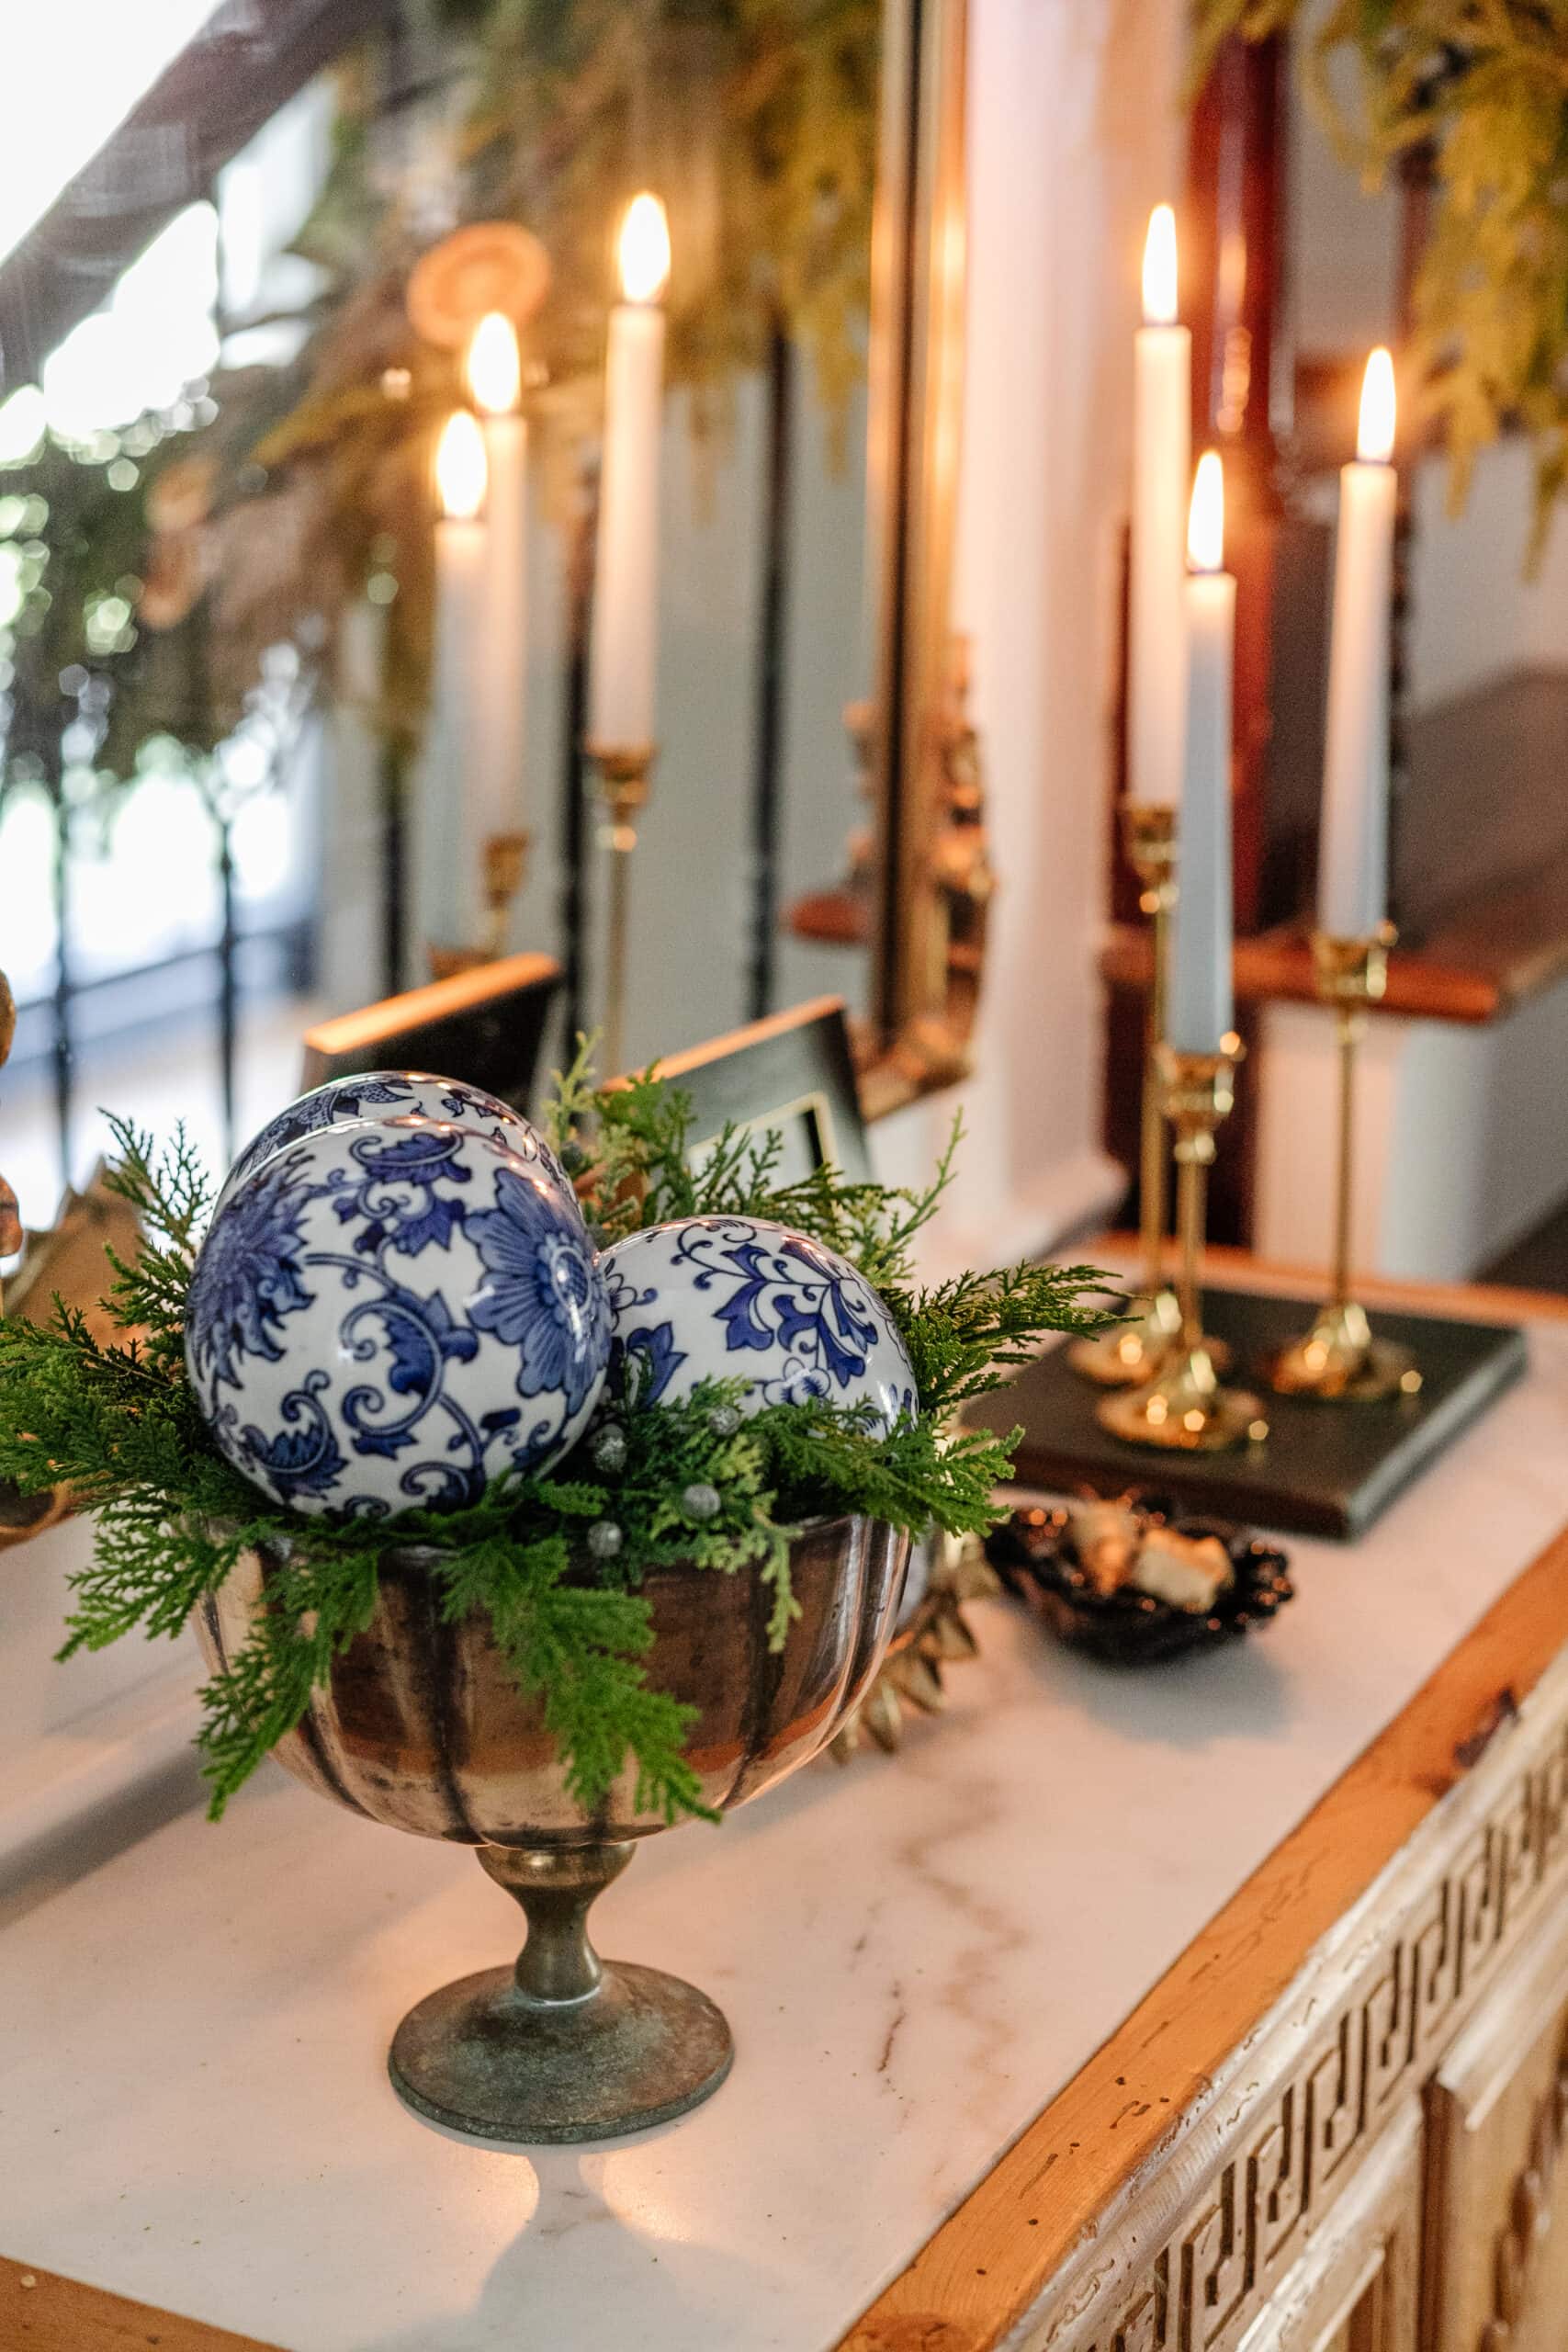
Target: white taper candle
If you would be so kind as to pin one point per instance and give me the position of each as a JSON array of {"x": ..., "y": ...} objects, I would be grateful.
[
  {"x": 493, "y": 795},
  {"x": 626, "y": 587},
  {"x": 1162, "y": 459},
  {"x": 1352, "y": 865},
  {"x": 1201, "y": 1007},
  {"x": 457, "y": 661}
]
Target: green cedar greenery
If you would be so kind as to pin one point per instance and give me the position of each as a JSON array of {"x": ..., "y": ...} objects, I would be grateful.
[
  {"x": 1480, "y": 87},
  {"x": 118, "y": 1424}
]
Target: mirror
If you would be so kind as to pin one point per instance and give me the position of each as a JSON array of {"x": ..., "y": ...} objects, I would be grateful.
[
  {"x": 1293, "y": 269},
  {"x": 275, "y": 726},
  {"x": 1299, "y": 267},
  {"x": 1482, "y": 680}
]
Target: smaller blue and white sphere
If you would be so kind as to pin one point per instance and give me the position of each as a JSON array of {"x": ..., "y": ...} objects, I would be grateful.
[
  {"x": 739, "y": 1297},
  {"x": 389, "y": 1313},
  {"x": 390, "y": 1097}
]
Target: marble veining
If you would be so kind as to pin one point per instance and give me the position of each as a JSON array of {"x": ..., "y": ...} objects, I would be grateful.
[{"x": 915, "y": 1955}]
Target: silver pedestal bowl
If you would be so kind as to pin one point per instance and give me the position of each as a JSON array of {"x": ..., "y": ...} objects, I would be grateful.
[{"x": 421, "y": 1726}]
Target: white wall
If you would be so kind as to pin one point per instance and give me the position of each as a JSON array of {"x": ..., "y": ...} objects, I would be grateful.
[
  {"x": 1345, "y": 247},
  {"x": 1475, "y": 612},
  {"x": 1074, "y": 134},
  {"x": 1461, "y": 1149}
]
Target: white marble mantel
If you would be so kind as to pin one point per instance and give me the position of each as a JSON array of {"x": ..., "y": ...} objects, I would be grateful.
[{"x": 915, "y": 1955}]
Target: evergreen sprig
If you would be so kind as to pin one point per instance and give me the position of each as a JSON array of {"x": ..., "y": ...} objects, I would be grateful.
[{"x": 118, "y": 1424}]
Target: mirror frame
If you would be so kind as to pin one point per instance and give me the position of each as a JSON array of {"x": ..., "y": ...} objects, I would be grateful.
[{"x": 916, "y": 1041}]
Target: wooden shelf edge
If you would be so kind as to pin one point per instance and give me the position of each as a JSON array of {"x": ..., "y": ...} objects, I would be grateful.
[
  {"x": 989, "y": 2264},
  {"x": 437, "y": 999},
  {"x": 1276, "y": 968},
  {"x": 1475, "y": 1302}
]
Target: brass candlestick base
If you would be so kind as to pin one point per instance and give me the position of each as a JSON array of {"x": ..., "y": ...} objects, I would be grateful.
[
  {"x": 623, "y": 773},
  {"x": 1338, "y": 1360},
  {"x": 505, "y": 864},
  {"x": 1185, "y": 1407},
  {"x": 1128, "y": 1353}
]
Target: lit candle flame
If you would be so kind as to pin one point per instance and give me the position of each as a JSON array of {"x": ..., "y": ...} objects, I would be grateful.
[
  {"x": 1160, "y": 268},
  {"x": 1374, "y": 441},
  {"x": 1206, "y": 516},
  {"x": 644, "y": 250},
  {"x": 460, "y": 470},
  {"x": 495, "y": 368}
]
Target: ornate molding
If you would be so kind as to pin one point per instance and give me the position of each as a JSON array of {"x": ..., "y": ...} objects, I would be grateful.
[{"x": 1186, "y": 2257}]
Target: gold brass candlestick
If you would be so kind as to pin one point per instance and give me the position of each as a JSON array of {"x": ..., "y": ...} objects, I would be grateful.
[
  {"x": 1338, "y": 1360},
  {"x": 505, "y": 862},
  {"x": 1184, "y": 1407},
  {"x": 623, "y": 773},
  {"x": 1130, "y": 1352}
]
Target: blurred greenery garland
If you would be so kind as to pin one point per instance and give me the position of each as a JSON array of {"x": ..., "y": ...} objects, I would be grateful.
[
  {"x": 1481, "y": 88},
  {"x": 259, "y": 517}
]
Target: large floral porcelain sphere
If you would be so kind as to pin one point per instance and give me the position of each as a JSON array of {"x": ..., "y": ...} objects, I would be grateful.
[
  {"x": 389, "y": 1098},
  {"x": 392, "y": 1312},
  {"x": 739, "y": 1297}
]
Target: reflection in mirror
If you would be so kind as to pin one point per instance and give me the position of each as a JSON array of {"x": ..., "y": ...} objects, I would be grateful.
[
  {"x": 1294, "y": 267},
  {"x": 1301, "y": 265},
  {"x": 1483, "y": 654},
  {"x": 293, "y": 717}
]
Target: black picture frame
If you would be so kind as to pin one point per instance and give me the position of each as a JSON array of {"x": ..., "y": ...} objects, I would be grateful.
[
  {"x": 485, "y": 1027},
  {"x": 795, "y": 1071}
]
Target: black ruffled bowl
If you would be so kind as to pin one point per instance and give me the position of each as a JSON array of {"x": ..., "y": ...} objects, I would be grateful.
[{"x": 1034, "y": 1553}]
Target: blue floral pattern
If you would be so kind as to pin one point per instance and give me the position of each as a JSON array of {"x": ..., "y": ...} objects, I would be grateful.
[
  {"x": 644, "y": 1358},
  {"x": 395, "y": 1201},
  {"x": 388, "y": 1096},
  {"x": 545, "y": 1296},
  {"x": 296, "y": 1460},
  {"x": 249, "y": 1274},
  {"x": 369, "y": 1305},
  {"x": 729, "y": 1297}
]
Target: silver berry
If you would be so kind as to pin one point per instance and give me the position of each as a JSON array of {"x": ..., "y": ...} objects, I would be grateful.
[
  {"x": 701, "y": 1501},
  {"x": 604, "y": 1539},
  {"x": 724, "y": 1420},
  {"x": 610, "y": 1448}
]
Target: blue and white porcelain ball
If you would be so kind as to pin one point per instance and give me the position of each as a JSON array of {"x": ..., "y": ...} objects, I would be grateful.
[
  {"x": 389, "y": 1314},
  {"x": 739, "y": 1297},
  {"x": 390, "y": 1097}
]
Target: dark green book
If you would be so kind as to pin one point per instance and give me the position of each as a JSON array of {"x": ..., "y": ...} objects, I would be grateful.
[{"x": 1324, "y": 1469}]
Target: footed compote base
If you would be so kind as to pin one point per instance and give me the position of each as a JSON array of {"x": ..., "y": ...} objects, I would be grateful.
[
  {"x": 564, "y": 2047},
  {"x": 483, "y": 2060}
]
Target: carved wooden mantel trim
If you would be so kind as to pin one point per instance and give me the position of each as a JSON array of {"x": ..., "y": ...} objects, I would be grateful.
[{"x": 1157, "y": 2202}]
